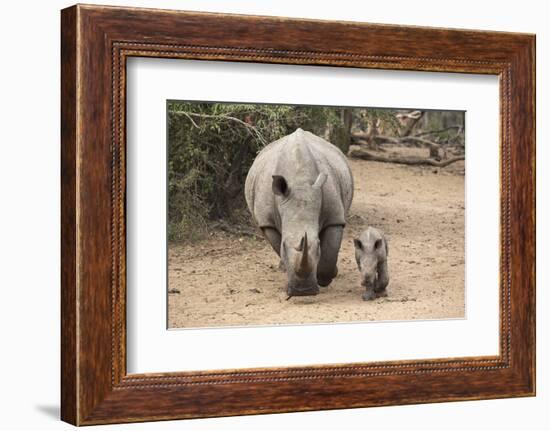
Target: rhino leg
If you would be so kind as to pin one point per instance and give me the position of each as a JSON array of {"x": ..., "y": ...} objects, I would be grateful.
[
  {"x": 274, "y": 238},
  {"x": 369, "y": 294},
  {"x": 383, "y": 279},
  {"x": 330, "y": 238}
]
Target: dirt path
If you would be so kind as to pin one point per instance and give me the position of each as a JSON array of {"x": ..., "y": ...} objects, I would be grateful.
[{"x": 225, "y": 280}]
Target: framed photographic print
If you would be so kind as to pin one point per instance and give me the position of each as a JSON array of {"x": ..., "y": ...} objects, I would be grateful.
[{"x": 265, "y": 215}]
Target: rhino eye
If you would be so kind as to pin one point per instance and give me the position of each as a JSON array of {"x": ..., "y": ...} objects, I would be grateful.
[
  {"x": 358, "y": 244},
  {"x": 377, "y": 244}
]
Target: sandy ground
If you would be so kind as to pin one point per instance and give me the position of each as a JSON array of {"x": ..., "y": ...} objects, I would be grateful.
[{"x": 225, "y": 280}]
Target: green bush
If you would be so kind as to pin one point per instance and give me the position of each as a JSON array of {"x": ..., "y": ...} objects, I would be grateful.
[{"x": 211, "y": 146}]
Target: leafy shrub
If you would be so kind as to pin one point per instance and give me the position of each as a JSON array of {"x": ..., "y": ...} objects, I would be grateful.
[{"x": 211, "y": 146}]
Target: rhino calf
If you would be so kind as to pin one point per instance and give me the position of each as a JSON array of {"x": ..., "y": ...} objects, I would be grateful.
[{"x": 371, "y": 254}]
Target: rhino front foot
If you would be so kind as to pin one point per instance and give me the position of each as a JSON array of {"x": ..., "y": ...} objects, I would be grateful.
[
  {"x": 324, "y": 282},
  {"x": 369, "y": 295},
  {"x": 302, "y": 292},
  {"x": 309, "y": 288},
  {"x": 324, "y": 279},
  {"x": 381, "y": 293}
]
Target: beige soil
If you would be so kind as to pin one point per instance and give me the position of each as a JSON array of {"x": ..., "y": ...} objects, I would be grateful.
[{"x": 227, "y": 280}]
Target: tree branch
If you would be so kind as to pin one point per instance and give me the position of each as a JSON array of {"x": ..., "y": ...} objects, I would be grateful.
[
  {"x": 221, "y": 117},
  {"x": 414, "y": 118},
  {"x": 414, "y": 161}
]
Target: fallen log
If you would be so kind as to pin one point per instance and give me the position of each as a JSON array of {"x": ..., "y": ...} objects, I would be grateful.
[
  {"x": 406, "y": 140},
  {"x": 395, "y": 140},
  {"x": 435, "y": 132},
  {"x": 413, "y": 161}
]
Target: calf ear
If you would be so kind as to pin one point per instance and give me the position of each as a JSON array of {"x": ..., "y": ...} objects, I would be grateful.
[
  {"x": 280, "y": 186},
  {"x": 358, "y": 245}
]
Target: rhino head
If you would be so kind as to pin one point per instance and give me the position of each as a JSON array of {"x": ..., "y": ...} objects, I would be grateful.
[{"x": 299, "y": 206}]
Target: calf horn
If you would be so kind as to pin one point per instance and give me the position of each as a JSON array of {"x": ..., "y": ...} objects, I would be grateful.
[{"x": 304, "y": 268}]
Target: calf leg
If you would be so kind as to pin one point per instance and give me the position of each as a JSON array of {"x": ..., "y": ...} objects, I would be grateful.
[
  {"x": 383, "y": 279},
  {"x": 330, "y": 238}
]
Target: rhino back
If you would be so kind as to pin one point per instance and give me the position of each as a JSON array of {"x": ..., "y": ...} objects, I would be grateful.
[{"x": 331, "y": 160}]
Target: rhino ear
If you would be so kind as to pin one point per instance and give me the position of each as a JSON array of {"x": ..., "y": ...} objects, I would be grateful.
[
  {"x": 280, "y": 186},
  {"x": 321, "y": 178}
]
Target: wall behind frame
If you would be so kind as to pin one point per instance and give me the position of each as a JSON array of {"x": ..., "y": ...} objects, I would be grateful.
[{"x": 29, "y": 220}]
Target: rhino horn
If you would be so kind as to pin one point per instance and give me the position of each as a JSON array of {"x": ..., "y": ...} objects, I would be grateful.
[{"x": 303, "y": 267}]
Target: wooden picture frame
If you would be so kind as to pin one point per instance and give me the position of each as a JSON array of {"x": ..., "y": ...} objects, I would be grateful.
[{"x": 95, "y": 43}]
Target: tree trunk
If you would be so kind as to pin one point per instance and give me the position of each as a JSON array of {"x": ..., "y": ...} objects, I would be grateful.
[
  {"x": 407, "y": 130},
  {"x": 340, "y": 135}
]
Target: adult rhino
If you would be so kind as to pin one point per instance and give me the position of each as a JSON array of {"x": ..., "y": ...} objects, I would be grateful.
[{"x": 299, "y": 190}]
